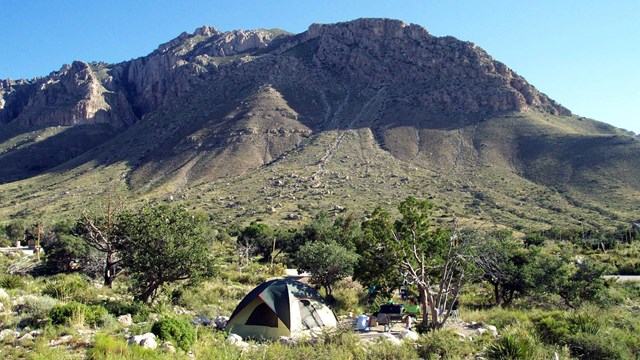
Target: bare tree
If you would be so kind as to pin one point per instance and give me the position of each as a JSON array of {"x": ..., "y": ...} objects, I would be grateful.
[
  {"x": 433, "y": 259},
  {"x": 98, "y": 232}
]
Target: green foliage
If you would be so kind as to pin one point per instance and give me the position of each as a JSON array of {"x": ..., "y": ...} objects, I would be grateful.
[
  {"x": 514, "y": 345},
  {"x": 65, "y": 253},
  {"x": 443, "y": 344},
  {"x": 139, "y": 311},
  {"x": 534, "y": 239},
  {"x": 179, "y": 331},
  {"x": 109, "y": 347},
  {"x": 8, "y": 281},
  {"x": 65, "y": 287},
  {"x": 258, "y": 239},
  {"x": 67, "y": 314},
  {"x": 377, "y": 264},
  {"x": 348, "y": 296},
  {"x": 35, "y": 310},
  {"x": 594, "y": 346},
  {"x": 326, "y": 262},
  {"x": 164, "y": 244}
]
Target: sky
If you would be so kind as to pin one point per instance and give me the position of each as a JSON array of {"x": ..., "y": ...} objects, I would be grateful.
[{"x": 585, "y": 54}]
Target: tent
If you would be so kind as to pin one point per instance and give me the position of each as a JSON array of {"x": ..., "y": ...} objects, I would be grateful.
[{"x": 281, "y": 307}]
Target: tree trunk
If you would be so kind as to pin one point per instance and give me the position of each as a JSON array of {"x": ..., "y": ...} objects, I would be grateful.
[
  {"x": 146, "y": 294},
  {"x": 109, "y": 270},
  {"x": 423, "y": 304},
  {"x": 496, "y": 294}
]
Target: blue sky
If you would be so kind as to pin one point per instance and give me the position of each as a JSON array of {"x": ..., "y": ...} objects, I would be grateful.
[{"x": 585, "y": 54}]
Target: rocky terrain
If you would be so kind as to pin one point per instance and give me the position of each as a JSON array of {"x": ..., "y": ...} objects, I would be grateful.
[{"x": 369, "y": 97}]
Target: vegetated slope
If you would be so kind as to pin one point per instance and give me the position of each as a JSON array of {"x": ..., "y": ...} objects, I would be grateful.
[{"x": 342, "y": 117}]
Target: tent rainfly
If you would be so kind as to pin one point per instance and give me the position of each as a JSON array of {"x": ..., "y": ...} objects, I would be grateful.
[{"x": 281, "y": 307}]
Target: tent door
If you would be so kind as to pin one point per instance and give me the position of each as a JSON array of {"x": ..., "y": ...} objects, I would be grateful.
[{"x": 309, "y": 315}]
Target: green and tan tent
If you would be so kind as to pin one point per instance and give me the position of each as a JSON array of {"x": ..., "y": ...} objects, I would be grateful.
[{"x": 281, "y": 307}]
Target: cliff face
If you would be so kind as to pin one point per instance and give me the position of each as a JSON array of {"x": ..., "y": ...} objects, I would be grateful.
[{"x": 439, "y": 74}]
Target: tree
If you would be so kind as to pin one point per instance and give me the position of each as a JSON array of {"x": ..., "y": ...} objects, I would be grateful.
[
  {"x": 432, "y": 258},
  {"x": 163, "y": 244},
  {"x": 97, "y": 231},
  {"x": 64, "y": 251},
  {"x": 259, "y": 239},
  {"x": 326, "y": 262},
  {"x": 377, "y": 265},
  {"x": 507, "y": 266}
]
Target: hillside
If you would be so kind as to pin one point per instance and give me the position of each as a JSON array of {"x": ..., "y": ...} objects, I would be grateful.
[{"x": 343, "y": 117}]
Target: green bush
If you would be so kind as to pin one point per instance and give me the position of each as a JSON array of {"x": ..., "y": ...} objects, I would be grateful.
[
  {"x": 348, "y": 296},
  {"x": 592, "y": 346},
  {"x": 179, "y": 331},
  {"x": 517, "y": 345},
  {"x": 557, "y": 326},
  {"x": 443, "y": 344},
  {"x": 139, "y": 311},
  {"x": 9, "y": 281},
  {"x": 66, "y": 314},
  {"x": 34, "y": 310},
  {"x": 65, "y": 287}
]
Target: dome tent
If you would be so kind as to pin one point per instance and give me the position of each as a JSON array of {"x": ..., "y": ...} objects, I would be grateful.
[{"x": 281, "y": 307}]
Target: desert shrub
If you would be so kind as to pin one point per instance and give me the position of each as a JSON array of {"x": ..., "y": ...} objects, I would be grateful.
[
  {"x": 443, "y": 344},
  {"x": 65, "y": 287},
  {"x": 557, "y": 326},
  {"x": 35, "y": 310},
  {"x": 9, "y": 281},
  {"x": 179, "y": 331},
  {"x": 108, "y": 347},
  {"x": 593, "y": 346},
  {"x": 497, "y": 316},
  {"x": 66, "y": 314},
  {"x": 139, "y": 311},
  {"x": 348, "y": 296},
  {"x": 514, "y": 345}
]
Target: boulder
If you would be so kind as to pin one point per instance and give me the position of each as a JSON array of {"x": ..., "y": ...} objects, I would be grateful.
[
  {"x": 147, "y": 341},
  {"x": 125, "y": 320},
  {"x": 3, "y": 294},
  {"x": 221, "y": 322}
]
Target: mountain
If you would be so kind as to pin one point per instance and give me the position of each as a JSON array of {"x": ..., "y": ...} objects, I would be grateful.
[{"x": 342, "y": 117}]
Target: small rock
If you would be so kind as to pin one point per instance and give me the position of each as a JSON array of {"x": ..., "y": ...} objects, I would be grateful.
[
  {"x": 492, "y": 329},
  {"x": 3, "y": 294},
  {"x": 287, "y": 340},
  {"x": 201, "y": 320},
  {"x": 221, "y": 322},
  {"x": 125, "y": 320},
  {"x": 392, "y": 339},
  {"x": 236, "y": 340},
  {"x": 25, "y": 338},
  {"x": 62, "y": 340},
  {"x": 167, "y": 346},
  {"x": 7, "y": 333},
  {"x": 407, "y": 334}
]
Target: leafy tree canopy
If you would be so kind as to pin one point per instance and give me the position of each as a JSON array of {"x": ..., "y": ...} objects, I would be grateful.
[{"x": 164, "y": 244}]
